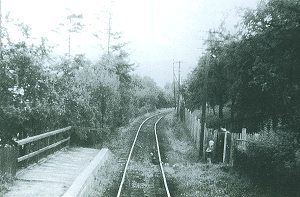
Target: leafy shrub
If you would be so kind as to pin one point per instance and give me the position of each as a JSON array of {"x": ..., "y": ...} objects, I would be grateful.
[
  {"x": 5, "y": 182},
  {"x": 145, "y": 109},
  {"x": 271, "y": 160},
  {"x": 89, "y": 137}
]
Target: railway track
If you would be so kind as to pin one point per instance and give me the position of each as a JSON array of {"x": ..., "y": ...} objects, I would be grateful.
[{"x": 143, "y": 173}]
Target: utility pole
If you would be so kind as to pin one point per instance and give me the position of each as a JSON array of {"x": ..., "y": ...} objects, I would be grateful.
[
  {"x": 178, "y": 108},
  {"x": 109, "y": 33},
  {"x": 69, "y": 50},
  {"x": 174, "y": 86},
  {"x": 177, "y": 101},
  {"x": 179, "y": 75},
  {"x": 73, "y": 28},
  {"x": 178, "y": 92},
  {"x": 1, "y": 56},
  {"x": 203, "y": 111}
]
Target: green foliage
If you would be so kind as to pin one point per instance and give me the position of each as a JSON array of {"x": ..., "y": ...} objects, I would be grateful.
[
  {"x": 196, "y": 91},
  {"x": 38, "y": 96},
  {"x": 23, "y": 88},
  {"x": 89, "y": 137},
  {"x": 5, "y": 182},
  {"x": 148, "y": 96},
  {"x": 255, "y": 72},
  {"x": 271, "y": 160}
]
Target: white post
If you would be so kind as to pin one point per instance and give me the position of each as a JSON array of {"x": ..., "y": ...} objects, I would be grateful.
[
  {"x": 225, "y": 144},
  {"x": 198, "y": 133},
  {"x": 191, "y": 120},
  {"x": 244, "y": 137},
  {"x": 195, "y": 132},
  {"x": 204, "y": 142}
]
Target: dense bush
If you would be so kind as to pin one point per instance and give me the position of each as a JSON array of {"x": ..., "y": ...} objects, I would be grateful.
[
  {"x": 256, "y": 74},
  {"x": 256, "y": 71},
  {"x": 271, "y": 160},
  {"x": 5, "y": 182},
  {"x": 40, "y": 93},
  {"x": 89, "y": 137}
]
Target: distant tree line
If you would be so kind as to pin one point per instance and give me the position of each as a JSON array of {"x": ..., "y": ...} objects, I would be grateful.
[
  {"x": 40, "y": 92},
  {"x": 256, "y": 72}
]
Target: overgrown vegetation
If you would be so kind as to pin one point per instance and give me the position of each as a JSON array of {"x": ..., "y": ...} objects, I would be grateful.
[
  {"x": 191, "y": 178},
  {"x": 41, "y": 92},
  {"x": 270, "y": 160},
  {"x": 5, "y": 181},
  {"x": 255, "y": 74}
]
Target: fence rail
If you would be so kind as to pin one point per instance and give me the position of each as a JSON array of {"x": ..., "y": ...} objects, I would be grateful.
[
  {"x": 32, "y": 149},
  {"x": 41, "y": 136},
  {"x": 36, "y": 145},
  {"x": 30, "y": 155}
]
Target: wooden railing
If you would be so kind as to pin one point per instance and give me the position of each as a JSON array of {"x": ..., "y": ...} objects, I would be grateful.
[
  {"x": 35, "y": 146},
  {"x": 32, "y": 149}
]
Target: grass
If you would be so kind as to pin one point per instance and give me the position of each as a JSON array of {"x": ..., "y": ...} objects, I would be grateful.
[
  {"x": 107, "y": 176},
  {"x": 198, "y": 179},
  {"x": 185, "y": 175},
  {"x": 5, "y": 182},
  {"x": 212, "y": 181},
  {"x": 118, "y": 143}
]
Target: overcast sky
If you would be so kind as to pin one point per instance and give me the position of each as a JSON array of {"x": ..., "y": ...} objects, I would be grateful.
[{"x": 158, "y": 31}]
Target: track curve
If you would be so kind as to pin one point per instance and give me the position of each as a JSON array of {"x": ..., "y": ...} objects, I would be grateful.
[{"x": 143, "y": 174}]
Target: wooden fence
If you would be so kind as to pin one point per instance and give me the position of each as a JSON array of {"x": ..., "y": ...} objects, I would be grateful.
[
  {"x": 8, "y": 159},
  {"x": 224, "y": 141},
  {"x": 32, "y": 149}
]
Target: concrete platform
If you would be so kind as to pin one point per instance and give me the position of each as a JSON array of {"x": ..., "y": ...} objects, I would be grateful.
[{"x": 54, "y": 175}]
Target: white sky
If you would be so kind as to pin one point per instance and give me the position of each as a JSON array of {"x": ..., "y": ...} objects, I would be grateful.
[{"x": 158, "y": 31}]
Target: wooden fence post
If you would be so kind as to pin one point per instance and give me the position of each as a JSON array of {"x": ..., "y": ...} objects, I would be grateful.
[
  {"x": 190, "y": 120},
  {"x": 232, "y": 146},
  {"x": 215, "y": 138},
  {"x": 192, "y": 125},
  {"x": 195, "y": 131},
  {"x": 198, "y": 134},
  {"x": 225, "y": 145},
  {"x": 195, "y": 128},
  {"x": 244, "y": 137},
  {"x": 204, "y": 139},
  {"x": 189, "y": 117},
  {"x": 8, "y": 160},
  {"x": 14, "y": 158}
]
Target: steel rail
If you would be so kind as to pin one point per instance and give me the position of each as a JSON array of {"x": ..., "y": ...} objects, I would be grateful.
[
  {"x": 130, "y": 153},
  {"x": 159, "y": 157}
]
